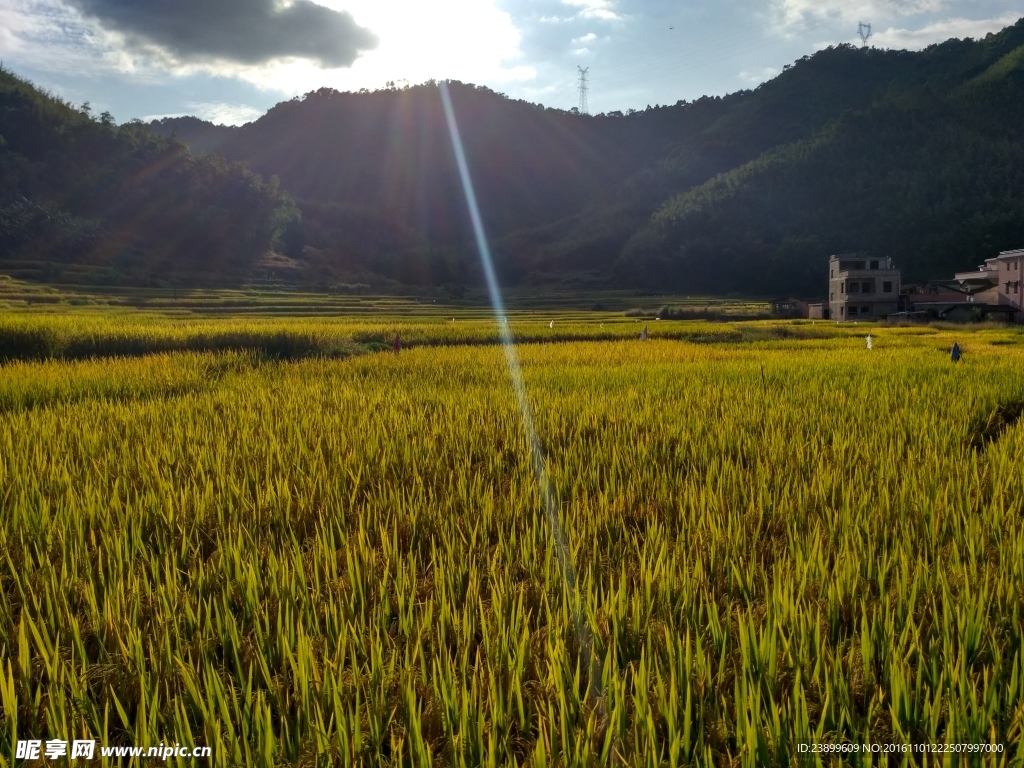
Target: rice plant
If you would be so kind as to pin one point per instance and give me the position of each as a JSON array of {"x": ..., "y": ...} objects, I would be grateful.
[{"x": 785, "y": 541}]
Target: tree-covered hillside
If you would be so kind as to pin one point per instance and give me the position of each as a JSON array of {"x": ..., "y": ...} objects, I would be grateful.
[
  {"x": 77, "y": 189},
  {"x": 931, "y": 173},
  {"x": 201, "y": 136},
  {"x": 914, "y": 155},
  {"x": 378, "y": 185}
]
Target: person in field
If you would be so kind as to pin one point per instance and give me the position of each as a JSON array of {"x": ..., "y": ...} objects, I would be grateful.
[
  {"x": 396, "y": 345},
  {"x": 954, "y": 353},
  {"x": 869, "y": 341},
  {"x": 643, "y": 334}
]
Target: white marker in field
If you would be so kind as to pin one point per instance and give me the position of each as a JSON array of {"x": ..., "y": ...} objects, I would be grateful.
[{"x": 869, "y": 341}]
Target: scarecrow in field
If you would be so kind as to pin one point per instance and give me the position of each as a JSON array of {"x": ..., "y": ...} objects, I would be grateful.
[
  {"x": 396, "y": 345},
  {"x": 869, "y": 341},
  {"x": 643, "y": 334},
  {"x": 954, "y": 353}
]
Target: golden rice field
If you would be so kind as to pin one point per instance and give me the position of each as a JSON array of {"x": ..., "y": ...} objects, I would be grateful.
[{"x": 331, "y": 556}]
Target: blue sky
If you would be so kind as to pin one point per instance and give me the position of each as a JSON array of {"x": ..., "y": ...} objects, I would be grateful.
[{"x": 231, "y": 60}]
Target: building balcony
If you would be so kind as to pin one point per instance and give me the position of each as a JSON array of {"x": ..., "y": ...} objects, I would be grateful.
[
  {"x": 978, "y": 276},
  {"x": 866, "y": 274}
]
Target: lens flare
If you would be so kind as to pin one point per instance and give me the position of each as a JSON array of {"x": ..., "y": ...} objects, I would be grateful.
[{"x": 548, "y": 499}]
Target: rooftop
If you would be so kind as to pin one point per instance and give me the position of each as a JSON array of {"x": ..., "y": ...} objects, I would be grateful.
[{"x": 978, "y": 275}]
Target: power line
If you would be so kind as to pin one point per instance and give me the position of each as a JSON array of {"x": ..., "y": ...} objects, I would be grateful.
[{"x": 584, "y": 90}]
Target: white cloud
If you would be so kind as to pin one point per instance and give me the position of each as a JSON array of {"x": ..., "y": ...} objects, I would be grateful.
[
  {"x": 515, "y": 74},
  {"x": 217, "y": 112},
  {"x": 13, "y": 27},
  {"x": 48, "y": 36},
  {"x": 758, "y": 76},
  {"x": 596, "y": 9},
  {"x": 471, "y": 40},
  {"x": 222, "y": 113},
  {"x": 600, "y": 13},
  {"x": 587, "y": 38},
  {"x": 940, "y": 31},
  {"x": 792, "y": 12},
  {"x": 581, "y": 51},
  {"x": 535, "y": 92}
]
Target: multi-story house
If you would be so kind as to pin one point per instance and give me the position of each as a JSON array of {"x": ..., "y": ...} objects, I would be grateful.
[
  {"x": 862, "y": 288},
  {"x": 997, "y": 281}
]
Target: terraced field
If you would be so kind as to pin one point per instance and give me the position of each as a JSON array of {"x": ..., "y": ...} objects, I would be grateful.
[{"x": 264, "y": 535}]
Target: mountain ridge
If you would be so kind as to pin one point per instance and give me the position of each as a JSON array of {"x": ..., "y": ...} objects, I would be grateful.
[{"x": 914, "y": 155}]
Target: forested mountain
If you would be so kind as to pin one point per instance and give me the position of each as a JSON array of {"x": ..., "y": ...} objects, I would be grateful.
[
  {"x": 201, "y": 136},
  {"x": 77, "y": 189},
  {"x": 918, "y": 156},
  {"x": 379, "y": 188},
  {"x": 931, "y": 173}
]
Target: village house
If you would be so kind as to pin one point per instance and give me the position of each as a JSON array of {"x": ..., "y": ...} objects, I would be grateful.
[
  {"x": 862, "y": 288},
  {"x": 990, "y": 292},
  {"x": 997, "y": 282}
]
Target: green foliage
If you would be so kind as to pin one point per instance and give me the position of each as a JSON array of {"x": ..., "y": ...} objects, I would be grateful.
[
  {"x": 78, "y": 190},
  {"x": 924, "y": 169},
  {"x": 913, "y": 155},
  {"x": 24, "y": 222}
]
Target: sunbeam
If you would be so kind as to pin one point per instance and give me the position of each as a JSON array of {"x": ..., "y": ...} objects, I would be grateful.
[{"x": 548, "y": 499}]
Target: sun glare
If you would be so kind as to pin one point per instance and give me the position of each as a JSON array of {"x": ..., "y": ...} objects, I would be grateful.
[{"x": 469, "y": 40}]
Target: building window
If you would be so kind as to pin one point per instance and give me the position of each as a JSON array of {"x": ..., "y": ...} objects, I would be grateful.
[
  {"x": 887, "y": 287},
  {"x": 831, "y": 273},
  {"x": 866, "y": 288},
  {"x": 832, "y": 297},
  {"x": 858, "y": 265},
  {"x": 853, "y": 311},
  {"x": 854, "y": 288},
  {"x": 865, "y": 310},
  {"x": 874, "y": 265},
  {"x": 842, "y": 287}
]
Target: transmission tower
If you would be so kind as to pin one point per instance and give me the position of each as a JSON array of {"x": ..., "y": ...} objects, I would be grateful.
[
  {"x": 864, "y": 30},
  {"x": 584, "y": 90}
]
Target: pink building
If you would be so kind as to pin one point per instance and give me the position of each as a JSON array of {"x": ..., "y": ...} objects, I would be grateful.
[{"x": 997, "y": 281}]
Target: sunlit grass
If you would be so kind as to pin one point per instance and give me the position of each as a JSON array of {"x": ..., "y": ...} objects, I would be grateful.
[{"x": 780, "y": 538}]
